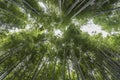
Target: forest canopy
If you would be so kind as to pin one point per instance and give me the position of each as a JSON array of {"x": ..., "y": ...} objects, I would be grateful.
[{"x": 43, "y": 40}]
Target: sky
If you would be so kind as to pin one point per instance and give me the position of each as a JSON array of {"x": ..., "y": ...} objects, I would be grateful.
[{"x": 90, "y": 27}]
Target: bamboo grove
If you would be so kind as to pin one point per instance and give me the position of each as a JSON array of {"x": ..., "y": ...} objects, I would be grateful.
[{"x": 32, "y": 49}]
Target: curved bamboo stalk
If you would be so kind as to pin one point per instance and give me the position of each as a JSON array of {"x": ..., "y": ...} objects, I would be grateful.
[
  {"x": 108, "y": 58},
  {"x": 91, "y": 78},
  {"x": 111, "y": 64},
  {"x": 64, "y": 63},
  {"x": 7, "y": 55},
  {"x": 15, "y": 3},
  {"x": 68, "y": 68},
  {"x": 104, "y": 12},
  {"x": 10, "y": 69},
  {"x": 12, "y": 15},
  {"x": 81, "y": 3},
  {"x": 33, "y": 9},
  {"x": 60, "y": 8},
  {"x": 112, "y": 71},
  {"x": 25, "y": 67},
  {"x": 37, "y": 68},
  {"x": 54, "y": 68},
  {"x": 73, "y": 6},
  {"x": 42, "y": 67},
  {"x": 83, "y": 8},
  {"x": 75, "y": 62},
  {"x": 16, "y": 73}
]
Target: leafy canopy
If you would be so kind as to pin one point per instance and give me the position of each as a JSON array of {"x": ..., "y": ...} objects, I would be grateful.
[{"x": 36, "y": 51}]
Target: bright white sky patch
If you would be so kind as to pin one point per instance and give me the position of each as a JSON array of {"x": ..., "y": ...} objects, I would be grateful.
[
  {"x": 92, "y": 29},
  {"x": 14, "y": 30},
  {"x": 43, "y": 6},
  {"x": 18, "y": 30},
  {"x": 58, "y": 32}
]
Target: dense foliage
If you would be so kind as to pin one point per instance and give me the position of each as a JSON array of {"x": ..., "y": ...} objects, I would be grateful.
[{"x": 49, "y": 44}]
